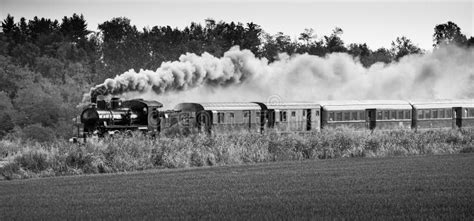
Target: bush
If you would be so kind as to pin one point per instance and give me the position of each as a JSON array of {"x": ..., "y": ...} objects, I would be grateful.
[
  {"x": 9, "y": 147},
  {"x": 10, "y": 171},
  {"x": 35, "y": 160},
  {"x": 469, "y": 149}
]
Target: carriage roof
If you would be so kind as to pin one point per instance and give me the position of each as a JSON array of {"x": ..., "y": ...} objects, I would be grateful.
[
  {"x": 220, "y": 106},
  {"x": 293, "y": 105},
  {"x": 365, "y": 104},
  {"x": 445, "y": 103}
]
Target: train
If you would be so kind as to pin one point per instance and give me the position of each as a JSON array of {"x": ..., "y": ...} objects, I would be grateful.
[{"x": 103, "y": 118}]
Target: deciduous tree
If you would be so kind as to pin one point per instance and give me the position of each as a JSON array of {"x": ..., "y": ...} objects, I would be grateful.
[
  {"x": 403, "y": 46},
  {"x": 448, "y": 33}
]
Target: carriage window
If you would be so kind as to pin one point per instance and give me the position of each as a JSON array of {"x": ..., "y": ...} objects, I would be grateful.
[
  {"x": 331, "y": 116},
  {"x": 420, "y": 114},
  {"x": 283, "y": 116},
  {"x": 441, "y": 113},
  {"x": 317, "y": 113},
  {"x": 407, "y": 114},
  {"x": 449, "y": 113},
  {"x": 379, "y": 115},
  {"x": 220, "y": 118},
  {"x": 434, "y": 114},
  {"x": 385, "y": 115},
  {"x": 231, "y": 118},
  {"x": 293, "y": 113},
  {"x": 347, "y": 116},
  {"x": 362, "y": 115},
  {"x": 393, "y": 115},
  {"x": 338, "y": 116},
  {"x": 246, "y": 114},
  {"x": 354, "y": 115},
  {"x": 304, "y": 113},
  {"x": 471, "y": 112},
  {"x": 427, "y": 114},
  {"x": 400, "y": 115}
]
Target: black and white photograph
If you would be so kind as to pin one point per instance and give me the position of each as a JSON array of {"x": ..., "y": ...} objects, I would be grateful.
[{"x": 236, "y": 110}]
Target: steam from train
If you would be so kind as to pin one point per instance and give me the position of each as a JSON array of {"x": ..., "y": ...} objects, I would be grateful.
[{"x": 446, "y": 72}]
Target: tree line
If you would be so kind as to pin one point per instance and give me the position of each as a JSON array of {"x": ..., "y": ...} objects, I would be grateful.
[{"x": 47, "y": 65}]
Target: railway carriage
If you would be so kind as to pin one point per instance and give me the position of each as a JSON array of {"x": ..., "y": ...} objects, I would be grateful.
[
  {"x": 293, "y": 117},
  {"x": 221, "y": 118},
  {"x": 359, "y": 115},
  {"x": 443, "y": 114}
]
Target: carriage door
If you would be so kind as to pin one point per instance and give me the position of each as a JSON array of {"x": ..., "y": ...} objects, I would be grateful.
[
  {"x": 247, "y": 119},
  {"x": 201, "y": 121},
  {"x": 270, "y": 118},
  {"x": 457, "y": 117},
  {"x": 370, "y": 120},
  {"x": 308, "y": 119},
  {"x": 263, "y": 119}
]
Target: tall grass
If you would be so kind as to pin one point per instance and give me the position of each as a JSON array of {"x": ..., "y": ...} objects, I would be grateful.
[{"x": 24, "y": 159}]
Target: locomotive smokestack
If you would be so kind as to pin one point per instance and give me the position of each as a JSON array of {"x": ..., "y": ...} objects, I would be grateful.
[
  {"x": 93, "y": 98},
  {"x": 101, "y": 103}
]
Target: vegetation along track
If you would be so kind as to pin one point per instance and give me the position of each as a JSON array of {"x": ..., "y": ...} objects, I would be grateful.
[
  {"x": 414, "y": 187},
  {"x": 126, "y": 154}
]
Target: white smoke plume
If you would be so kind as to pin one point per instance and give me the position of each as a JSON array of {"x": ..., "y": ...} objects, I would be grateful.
[{"x": 447, "y": 72}]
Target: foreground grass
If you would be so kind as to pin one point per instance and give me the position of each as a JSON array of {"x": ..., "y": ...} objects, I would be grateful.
[
  {"x": 23, "y": 159},
  {"x": 415, "y": 187}
]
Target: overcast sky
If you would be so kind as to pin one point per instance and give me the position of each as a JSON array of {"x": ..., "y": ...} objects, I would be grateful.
[{"x": 376, "y": 23}]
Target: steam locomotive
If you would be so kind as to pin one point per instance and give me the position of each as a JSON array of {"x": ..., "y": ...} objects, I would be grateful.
[
  {"x": 103, "y": 118},
  {"x": 114, "y": 117}
]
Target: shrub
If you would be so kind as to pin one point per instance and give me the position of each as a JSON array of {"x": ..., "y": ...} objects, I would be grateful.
[
  {"x": 10, "y": 171},
  {"x": 9, "y": 147},
  {"x": 34, "y": 159},
  {"x": 469, "y": 149}
]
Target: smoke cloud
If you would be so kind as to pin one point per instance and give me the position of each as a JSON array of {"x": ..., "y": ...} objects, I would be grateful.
[{"x": 446, "y": 72}]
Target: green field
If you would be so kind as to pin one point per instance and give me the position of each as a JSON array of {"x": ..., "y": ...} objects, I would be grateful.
[{"x": 417, "y": 187}]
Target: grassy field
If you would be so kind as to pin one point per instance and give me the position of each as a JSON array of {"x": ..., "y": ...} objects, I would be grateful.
[{"x": 415, "y": 187}]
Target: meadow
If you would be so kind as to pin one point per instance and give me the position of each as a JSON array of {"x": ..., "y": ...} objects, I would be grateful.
[
  {"x": 25, "y": 159},
  {"x": 430, "y": 187}
]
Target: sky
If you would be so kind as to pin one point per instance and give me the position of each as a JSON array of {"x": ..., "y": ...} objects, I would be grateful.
[{"x": 376, "y": 23}]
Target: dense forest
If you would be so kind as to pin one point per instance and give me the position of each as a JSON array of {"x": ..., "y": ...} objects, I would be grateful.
[{"x": 47, "y": 65}]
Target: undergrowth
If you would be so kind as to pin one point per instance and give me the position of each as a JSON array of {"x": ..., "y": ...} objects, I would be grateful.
[{"x": 25, "y": 159}]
